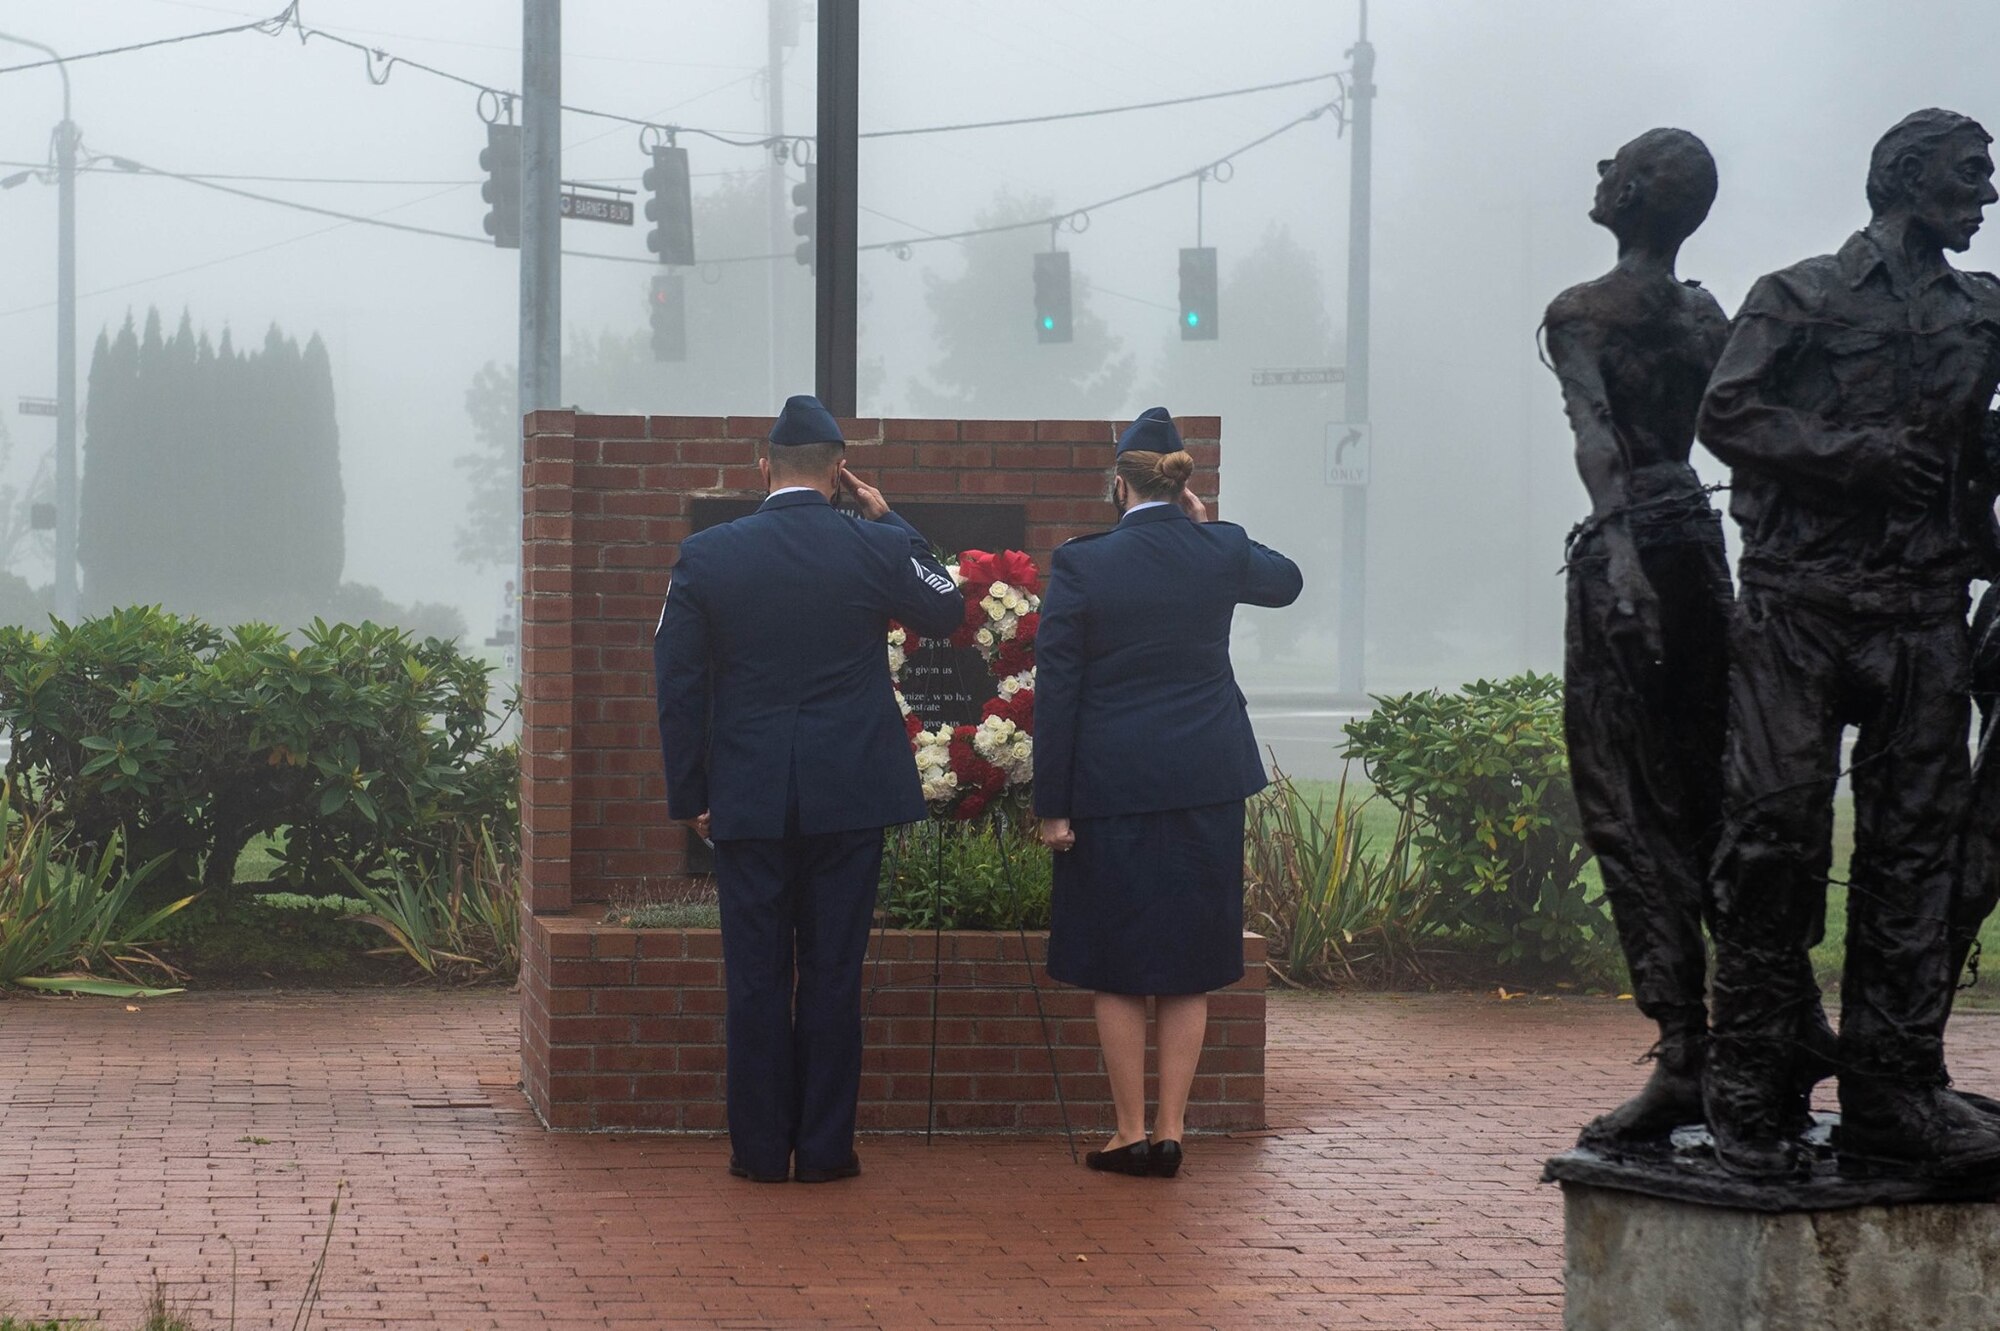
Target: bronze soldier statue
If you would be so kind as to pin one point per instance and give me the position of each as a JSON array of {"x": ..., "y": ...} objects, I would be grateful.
[
  {"x": 1851, "y": 402},
  {"x": 1649, "y": 598}
]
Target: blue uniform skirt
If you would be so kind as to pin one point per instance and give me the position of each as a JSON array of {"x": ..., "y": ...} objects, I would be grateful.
[{"x": 1151, "y": 903}]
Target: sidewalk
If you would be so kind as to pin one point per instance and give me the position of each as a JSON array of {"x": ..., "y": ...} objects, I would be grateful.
[{"x": 1397, "y": 1189}]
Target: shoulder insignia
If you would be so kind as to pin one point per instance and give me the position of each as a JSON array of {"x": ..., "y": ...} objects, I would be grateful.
[{"x": 937, "y": 582}]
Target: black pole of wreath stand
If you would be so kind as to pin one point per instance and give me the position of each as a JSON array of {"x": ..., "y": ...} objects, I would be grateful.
[{"x": 1033, "y": 985}]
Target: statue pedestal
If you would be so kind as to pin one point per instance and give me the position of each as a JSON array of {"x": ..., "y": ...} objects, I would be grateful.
[{"x": 1639, "y": 1263}]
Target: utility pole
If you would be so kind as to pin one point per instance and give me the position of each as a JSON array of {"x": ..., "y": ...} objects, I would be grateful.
[
  {"x": 838, "y": 205},
  {"x": 784, "y": 31},
  {"x": 65, "y": 147},
  {"x": 541, "y": 215},
  {"x": 1352, "y": 639}
]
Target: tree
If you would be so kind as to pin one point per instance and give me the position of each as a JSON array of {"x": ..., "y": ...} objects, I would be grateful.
[
  {"x": 211, "y": 477},
  {"x": 984, "y": 320}
]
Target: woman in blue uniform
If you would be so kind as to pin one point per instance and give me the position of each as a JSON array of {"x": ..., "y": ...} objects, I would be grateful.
[{"x": 1143, "y": 758}]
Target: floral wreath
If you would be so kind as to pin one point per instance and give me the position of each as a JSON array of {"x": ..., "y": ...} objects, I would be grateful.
[{"x": 964, "y": 768}]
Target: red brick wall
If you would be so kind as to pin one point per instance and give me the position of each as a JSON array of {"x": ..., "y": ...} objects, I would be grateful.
[
  {"x": 622, "y": 1030},
  {"x": 607, "y": 506}
]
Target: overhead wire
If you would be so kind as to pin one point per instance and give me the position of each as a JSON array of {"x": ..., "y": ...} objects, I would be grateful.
[{"x": 270, "y": 25}]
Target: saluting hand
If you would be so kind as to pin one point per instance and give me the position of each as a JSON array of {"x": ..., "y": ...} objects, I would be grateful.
[
  {"x": 1191, "y": 505},
  {"x": 866, "y": 497},
  {"x": 1056, "y": 834}
]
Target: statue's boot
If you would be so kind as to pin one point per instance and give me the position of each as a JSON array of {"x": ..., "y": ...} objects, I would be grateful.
[
  {"x": 1670, "y": 1098},
  {"x": 1757, "y": 1109},
  {"x": 1900, "y": 1129}
]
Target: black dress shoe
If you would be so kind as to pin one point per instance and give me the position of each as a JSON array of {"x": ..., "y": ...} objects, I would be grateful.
[
  {"x": 1136, "y": 1160},
  {"x": 736, "y": 1170},
  {"x": 805, "y": 1174},
  {"x": 1166, "y": 1159}
]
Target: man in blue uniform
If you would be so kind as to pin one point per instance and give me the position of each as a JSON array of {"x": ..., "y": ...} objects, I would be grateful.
[{"x": 783, "y": 743}]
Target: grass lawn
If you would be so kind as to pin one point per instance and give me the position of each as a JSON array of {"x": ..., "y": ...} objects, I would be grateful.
[{"x": 1378, "y": 822}]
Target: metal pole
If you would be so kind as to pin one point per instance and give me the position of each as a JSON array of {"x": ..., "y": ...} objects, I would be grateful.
[
  {"x": 838, "y": 204},
  {"x": 1352, "y": 641},
  {"x": 65, "y": 145},
  {"x": 541, "y": 256},
  {"x": 778, "y": 13},
  {"x": 541, "y": 218}
]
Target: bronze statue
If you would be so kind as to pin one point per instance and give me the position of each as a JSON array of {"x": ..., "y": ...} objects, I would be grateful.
[
  {"x": 1649, "y": 597},
  {"x": 1851, "y": 403}
]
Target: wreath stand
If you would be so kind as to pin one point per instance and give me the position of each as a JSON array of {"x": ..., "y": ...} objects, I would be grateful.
[{"x": 936, "y": 983}]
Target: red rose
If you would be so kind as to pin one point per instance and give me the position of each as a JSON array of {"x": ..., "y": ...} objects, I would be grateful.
[{"x": 914, "y": 724}]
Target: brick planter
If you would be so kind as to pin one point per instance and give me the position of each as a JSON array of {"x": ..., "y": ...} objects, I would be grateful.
[{"x": 621, "y": 1030}]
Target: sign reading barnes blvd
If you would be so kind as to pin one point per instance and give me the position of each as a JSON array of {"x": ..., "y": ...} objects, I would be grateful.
[
  {"x": 591, "y": 208},
  {"x": 1311, "y": 374}
]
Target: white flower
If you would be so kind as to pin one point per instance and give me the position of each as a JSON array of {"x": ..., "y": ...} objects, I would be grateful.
[
  {"x": 984, "y": 637},
  {"x": 999, "y": 591},
  {"x": 897, "y": 637},
  {"x": 992, "y": 608}
]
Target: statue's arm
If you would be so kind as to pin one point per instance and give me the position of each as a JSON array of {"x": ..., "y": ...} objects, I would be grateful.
[
  {"x": 1606, "y": 470},
  {"x": 1746, "y": 422}
]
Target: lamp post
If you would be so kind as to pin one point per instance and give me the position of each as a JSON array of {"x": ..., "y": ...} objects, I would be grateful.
[{"x": 65, "y": 145}]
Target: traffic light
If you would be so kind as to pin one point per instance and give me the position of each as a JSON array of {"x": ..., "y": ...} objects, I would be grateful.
[
  {"x": 1052, "y": 322},
  {"x": 1198, "y": 312},
  {"x": 501, "y": 160},
  {"x": 667, "y": 303},
  {"x": 670, "y": 210},
  {"x": 805, "y": 198}
]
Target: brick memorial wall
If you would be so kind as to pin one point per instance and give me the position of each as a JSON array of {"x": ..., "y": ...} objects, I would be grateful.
[{"x": 622, "y": 1028}]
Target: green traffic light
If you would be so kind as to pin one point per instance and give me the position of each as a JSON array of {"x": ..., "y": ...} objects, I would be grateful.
[
  {"x": 1048, "y": 323},
  {"x": 1193, "y": 318}
]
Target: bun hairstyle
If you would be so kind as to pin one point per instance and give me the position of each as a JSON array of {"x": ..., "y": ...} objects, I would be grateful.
[{"x": 1155, "y": 475}]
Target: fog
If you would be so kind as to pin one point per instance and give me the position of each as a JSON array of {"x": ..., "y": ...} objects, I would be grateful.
[{"x": 1490, "y": 119}]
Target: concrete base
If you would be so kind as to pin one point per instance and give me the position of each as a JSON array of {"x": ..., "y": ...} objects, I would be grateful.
[{"x": 1638, "y": 1263}]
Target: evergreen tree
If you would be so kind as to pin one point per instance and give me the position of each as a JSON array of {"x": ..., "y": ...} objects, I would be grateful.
[{"x": 211, "y": 477}]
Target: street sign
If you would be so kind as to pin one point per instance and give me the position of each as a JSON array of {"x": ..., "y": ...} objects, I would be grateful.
[
  {"x": 591, "y": 208},
  {"x": 1312, "y": 374},
  {"x": 1347, "y": 450},
  {"x": 39, "y": 406}
]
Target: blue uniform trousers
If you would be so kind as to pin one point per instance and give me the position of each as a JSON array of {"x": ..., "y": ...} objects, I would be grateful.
[{"x": 797, "y": 906}]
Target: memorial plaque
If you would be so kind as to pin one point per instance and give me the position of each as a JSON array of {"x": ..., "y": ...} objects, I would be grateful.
[{"x": 946, "y": 685}]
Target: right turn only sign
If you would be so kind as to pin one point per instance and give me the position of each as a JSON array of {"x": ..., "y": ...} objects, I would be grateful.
[{"x": 1347, "y": 448}]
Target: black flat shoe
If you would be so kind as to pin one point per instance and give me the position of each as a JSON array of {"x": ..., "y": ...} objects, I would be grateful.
[
  {"x": 1166, "y": 1159},
  {"x": 736, "y": 1170},
  {"x": 1136, "y": 1160},
  {"x": 852, "y": 1168}
]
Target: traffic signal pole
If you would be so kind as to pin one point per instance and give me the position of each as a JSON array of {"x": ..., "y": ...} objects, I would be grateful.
[
  {"x": 838, "y": 207},
  {"x": 541, "y": 205},
  {"x": 1351, "y": 642},
  {"x": 777, "y": 14}
]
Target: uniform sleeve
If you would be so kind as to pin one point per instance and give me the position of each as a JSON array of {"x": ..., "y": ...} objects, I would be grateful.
[
  {"x": 682, "y": 684},
  {"x": 1746, "y": 423},
  {"x": 1269, "y": 579},
  {"x": 1059, "y": 656},
  {"x": 922, "y": 594}
]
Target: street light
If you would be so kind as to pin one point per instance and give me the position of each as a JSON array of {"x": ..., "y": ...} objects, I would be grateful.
[{"x": 65, "y": 142}]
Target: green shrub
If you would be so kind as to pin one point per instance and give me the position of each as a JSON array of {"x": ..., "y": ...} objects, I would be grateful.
[
  {"x": 1329, "y": 908},
  {"x": 366, "y": 748},
  {"x": 461, "y": 918},
  {"x": 1485, "y": 775},
  {"x": 972, "y": 875}
]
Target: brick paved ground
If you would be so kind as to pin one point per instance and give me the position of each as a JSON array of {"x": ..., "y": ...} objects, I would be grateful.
[{"x": 1397, "y": 1190}]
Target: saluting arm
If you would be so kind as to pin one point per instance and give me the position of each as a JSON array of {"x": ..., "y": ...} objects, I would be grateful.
[
  {"x": 924, "y": 597},
  {"x": 1059, "y": 644},
  {"x": 1270, "y": 579},
  {"x": 682, "y": 683}
]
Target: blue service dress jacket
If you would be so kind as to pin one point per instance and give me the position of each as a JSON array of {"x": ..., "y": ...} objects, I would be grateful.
[
  {"x": 1136, "y": 706},
  {"x": 771, "y": 670}
]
